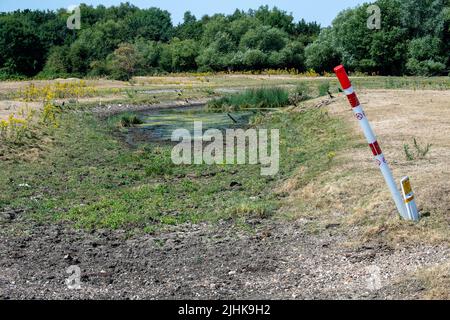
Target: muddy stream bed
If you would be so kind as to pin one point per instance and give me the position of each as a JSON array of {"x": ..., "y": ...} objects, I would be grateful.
[{"x": 158, "y": 125}]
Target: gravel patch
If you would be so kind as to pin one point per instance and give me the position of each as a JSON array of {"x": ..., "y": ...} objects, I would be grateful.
[{"x": 277, "y": 261}]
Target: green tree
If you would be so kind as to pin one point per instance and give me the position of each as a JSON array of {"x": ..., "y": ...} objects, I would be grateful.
[
  {"x": 264, "y": 38},
  {"x": 254, "y": 59},
  {"x": 21, "y": 50},
  {"x": 179, "y": 55},
  {"x": 190, "y": 28},
  {"x": 293, "y": 56},
  {"x": 423, "y": 56},
  {"x": 275, "y": 18},
  {"x": 241, "y": 26},
  {"x": 123, "y": 61},
  {"x": 57, "y": 64},
  {"x": 149, "y": 53},
  {"x": 151, "y": 24},
  {"x": 217, "y": 23},
  {"x": 210, "y": 60},
  {"x": 321, "y": 55},
  {"x": 218, "y": 55}
]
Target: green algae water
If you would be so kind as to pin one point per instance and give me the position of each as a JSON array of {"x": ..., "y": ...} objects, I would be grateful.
[{"x": 158, "y": 125}]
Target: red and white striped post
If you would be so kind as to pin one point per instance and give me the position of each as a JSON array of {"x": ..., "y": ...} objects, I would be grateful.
[{"x": 371, "y": 139}]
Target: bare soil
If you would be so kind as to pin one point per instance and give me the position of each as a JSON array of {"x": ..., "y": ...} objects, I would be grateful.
[{"x": 204, "y": 261}]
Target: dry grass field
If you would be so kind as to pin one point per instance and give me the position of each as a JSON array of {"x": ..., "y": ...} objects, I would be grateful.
[{"x": 354, "y": 192}]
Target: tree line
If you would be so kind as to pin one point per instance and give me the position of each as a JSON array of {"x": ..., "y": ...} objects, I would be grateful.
[{"x": 124, "y": 41}]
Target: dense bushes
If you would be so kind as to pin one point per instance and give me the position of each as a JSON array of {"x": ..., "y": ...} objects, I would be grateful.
[
  {"x": 124, "y": 41},
  {"x": 413, "y": 39}
]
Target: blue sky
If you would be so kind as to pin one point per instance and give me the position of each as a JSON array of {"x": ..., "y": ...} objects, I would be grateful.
[{"x": 322, "y": 11}]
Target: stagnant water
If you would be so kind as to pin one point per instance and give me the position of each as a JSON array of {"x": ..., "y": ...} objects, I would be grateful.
[{"x": 159, "y": 124}]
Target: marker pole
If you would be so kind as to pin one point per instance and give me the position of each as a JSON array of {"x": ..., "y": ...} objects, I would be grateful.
[
  {"x": 408, "y": 197},
  {"x": 371, "y": 139}
]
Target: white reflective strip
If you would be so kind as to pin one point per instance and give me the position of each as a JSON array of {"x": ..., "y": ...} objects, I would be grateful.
[{"x": 349, "y": 91}]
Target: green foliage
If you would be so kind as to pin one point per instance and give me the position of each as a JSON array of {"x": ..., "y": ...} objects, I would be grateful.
[
  {"x": 190, "y": 28},
  {"x": 301, "y": 93},
  {"x": 264, "y": 38},
  {"x": 123, "y": 62},
  {"x": 321, "y": 54},
  {"x": 424, "y": 58},
  {"x": 21, "y": 49},
  {"x": 425, "y": 68},
  {"x": 420, "y": 151},
  {"x": 252, "y": 98},
  {"x": 28, "y": 46},
  {"x": 57, "y": 63},
  {"x": 275, "y": 18},
  {"x": 411, "y": 39},
  {"x": 130, "y": 120},
  {"x": 409, "y": 156},
  {"x": 414, "y": 39},
  {"x": 324, "y": 88},
  {"x": 254, "y": 59}
]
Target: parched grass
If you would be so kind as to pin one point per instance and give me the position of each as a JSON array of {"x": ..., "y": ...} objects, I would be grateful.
[
  {"x": 95, "y": 181},
  {"x": 436, "y": 281},
  {"x": 252, "y": 98},
  {"x": 199, "y": 86},
  {"x": 352, "y": 195}
]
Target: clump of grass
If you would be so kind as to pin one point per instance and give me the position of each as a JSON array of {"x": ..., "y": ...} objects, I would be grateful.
[
  {"x": 420, "y": 151},
  {"x": 127, "y": 121},
  {"x": 131, "y": 93},
  {"x": 324, "y": 88},
  {"x": 209, "y": 91},
  {"x": 252, "y": 98},
  {"x": 262, "y": 209},
  {"x": 409, "y": 156},
  {"x": 160, "y": 164},
  {"x": 436, "y": 281},
  {"x": 301, "y": 93}
]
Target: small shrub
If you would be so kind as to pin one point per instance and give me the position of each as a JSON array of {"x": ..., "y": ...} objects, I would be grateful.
[
  {"x": 324, "y": 88},
  {"x": 408, "y": 154},
  {"x": 331, "y": 155},
  {"x": 420, "y": 151},
  {"x": 131, "y": 93}
]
